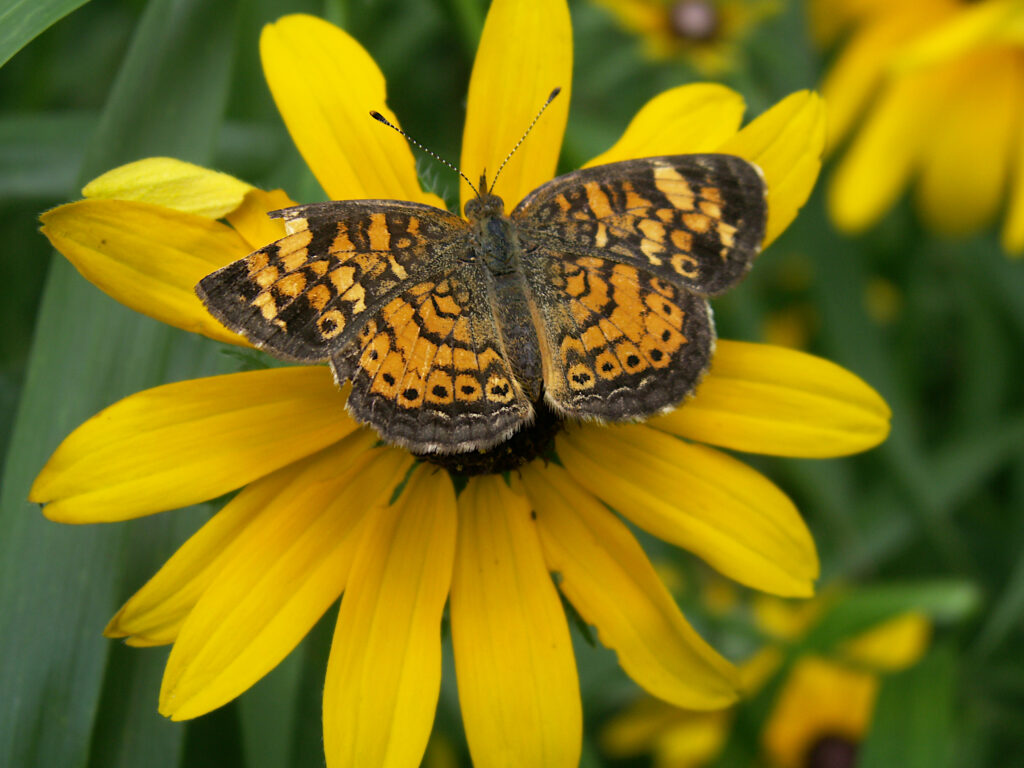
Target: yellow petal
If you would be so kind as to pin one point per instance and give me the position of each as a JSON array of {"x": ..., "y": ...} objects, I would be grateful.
[
  {"x": 183, "y": 443},
  {"x": 694, "y": 741},
  {"x": 147, "y": 257},
  {"x": 154, "y": 614},
  {"x": 885, "y": 151},
  {"x": 698, "y": 498},
  {"x": 893, "y": 645},
  {"x": 525, "y": 53},
  {"x": 638, "y": 16},
  {"x": 610, "y": 581},
  {"x": 818, "y": 699},
  {"x": 173, "y": 184},
  {"x": 859, "y": 70},
  {"x": 786, "y": 142},
  {"x": 766, "y": 399},
  {"x": 384, "y": 674},
  {"x": 325, "y": 84},
  {"x": 251, "y": 221},
  {"x": 984, "y": 25},
  {"x": 279, "y": 578},
  {"x": 967, "y": 161},
  {"x": 636, "y": 730},
  {"x": 688, "y": 119},
  {"x": 1013, "y": 230},
  {"x": 513, "y": 656}
]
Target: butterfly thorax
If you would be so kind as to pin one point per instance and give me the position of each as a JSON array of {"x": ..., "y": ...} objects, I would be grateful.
[
  {"x": 496, "y": 242},
  {"x": 497, "y": 248}
]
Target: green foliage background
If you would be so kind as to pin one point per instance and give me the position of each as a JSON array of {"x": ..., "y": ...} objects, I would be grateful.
[{"x": 933, "y": 519}]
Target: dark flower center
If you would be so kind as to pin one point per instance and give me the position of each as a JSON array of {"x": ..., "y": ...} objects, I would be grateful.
[
  {"x": 832, "y": 751},
  {"x": 695, "y": 20},
  {"x": 524, "y": 446}
]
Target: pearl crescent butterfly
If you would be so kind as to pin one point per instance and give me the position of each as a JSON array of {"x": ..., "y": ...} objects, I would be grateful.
[{"x": 591, "y": 296}]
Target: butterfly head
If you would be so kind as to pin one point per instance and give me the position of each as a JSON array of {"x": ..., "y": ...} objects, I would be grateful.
[{"x": 484, "y": 205}]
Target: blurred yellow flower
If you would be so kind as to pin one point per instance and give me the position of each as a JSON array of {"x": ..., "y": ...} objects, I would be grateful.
[
  {"x": 708, "y": 34},
  {"x": 820, "y": 715},
  {"x": 933, "y": 93},
  {"x": 324, "y": 509}
]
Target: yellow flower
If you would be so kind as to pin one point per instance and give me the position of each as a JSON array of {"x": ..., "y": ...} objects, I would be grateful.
[
  {"x": 937, "y": 90},
  {"x": 324, "y": 509},
  {"x": 822, "y": 710},
  {"x": 706, "y": 33}
]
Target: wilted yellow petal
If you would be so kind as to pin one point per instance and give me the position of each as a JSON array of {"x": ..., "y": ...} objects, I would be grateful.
[
  {"x": 172, "y": 184},
  {"x": 513, "y": 657},
  {"x": 279, "y": 578},
  {"x": 893, "y": 645},
  {"x": 325, "y": 84},
  {"x": 147, "y": 257},
  {"x": 698, "y": 498},
  {"x": 965, "y": 167},
  {"x": 384, "y": 674},
  {"x": 610, "y": 581},
  {"x": 183, "y": 443},
  {"x": 688, "y": 119},
  {"x": 786, "y": 142},
  {"x": 525, "y": 53},
  {"x": 251, "y": 221},
  {"x": 766, "y": 399},
  {"x": 885, "y": 151}
]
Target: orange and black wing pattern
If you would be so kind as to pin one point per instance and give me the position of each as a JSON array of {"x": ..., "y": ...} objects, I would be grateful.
[
  {"x": 694, "y": 220},
  {"x": 430, "y": 371},
  {"x": 306, "y": 296},
  {"x": 384, "y": 291},
  {"x": 619, "y": 259}
]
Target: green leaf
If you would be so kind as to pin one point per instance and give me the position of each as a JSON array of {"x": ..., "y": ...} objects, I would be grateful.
[
  {"x": 40, "y": 154},
  {"x": 1006, "y": 614},
  {"x": 58, "y": 584},
  {"x": 868, "y": 606},
  {"x": 22, "y": 20},
  {"x": 913, "y": 725}
]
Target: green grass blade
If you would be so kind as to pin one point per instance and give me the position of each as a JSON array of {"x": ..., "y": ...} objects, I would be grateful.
[
  {"x": 58, "y": 584},
  {"x": 22, "y": 20}
]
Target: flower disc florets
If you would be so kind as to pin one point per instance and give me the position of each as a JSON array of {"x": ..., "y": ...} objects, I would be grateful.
[{"x": 535, "y": 440}]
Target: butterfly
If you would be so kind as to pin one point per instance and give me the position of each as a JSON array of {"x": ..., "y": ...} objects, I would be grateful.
[{"x": 591, "y": 296}]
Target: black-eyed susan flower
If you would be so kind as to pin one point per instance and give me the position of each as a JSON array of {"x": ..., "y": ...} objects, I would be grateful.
[
  {"x": 325, "y": 509},
  {"x": 932, "y": 92},
  {"x": 707, "y": 34},
  {"x": 821, "y": 713}
]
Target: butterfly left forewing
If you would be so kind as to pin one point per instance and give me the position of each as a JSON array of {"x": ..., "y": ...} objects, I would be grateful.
[
  {"x": 696, "y": 221},
  {"x": 307, "y": 295}
]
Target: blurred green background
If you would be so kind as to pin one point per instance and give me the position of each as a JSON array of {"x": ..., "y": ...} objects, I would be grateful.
[{"x": 933, "y": 519}]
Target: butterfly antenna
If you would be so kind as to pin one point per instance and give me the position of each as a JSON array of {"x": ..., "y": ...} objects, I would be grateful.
[
  {"x": 381, "y": 118},
  {"x": 529, "y": 128}
]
